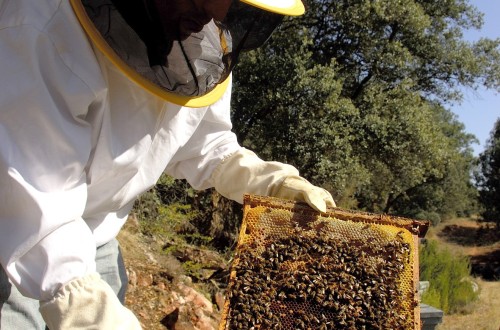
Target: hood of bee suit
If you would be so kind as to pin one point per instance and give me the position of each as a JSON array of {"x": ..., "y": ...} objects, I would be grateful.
[{"x": 190, "y": 70}]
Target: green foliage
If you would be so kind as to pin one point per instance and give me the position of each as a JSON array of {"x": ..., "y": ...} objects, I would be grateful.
[
  {"x": 147, "y": 206},
  {"x": 194, "y": 269},
  {"x": 407, "y": 146},
  {"x": 167, "y": 219},
  {"x": 282, "y": 96},
  {"x": 172, "y": 210},
  {"x": 448, "y": 274},
  {"x": 353, "y": 94},
  {"x": 447, "y": 191},
  {"x": 171, "y": 220},
  {"x": 388, "y": 42},
  {"x": 488, "y": 177}
]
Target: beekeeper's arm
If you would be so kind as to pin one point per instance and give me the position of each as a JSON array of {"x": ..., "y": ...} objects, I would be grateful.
[
  {"x": 244, "y": 172},
  {"x": 46, "y": 248}
]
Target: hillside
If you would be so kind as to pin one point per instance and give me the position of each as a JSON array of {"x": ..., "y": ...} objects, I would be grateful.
[{"x": 163, "y": 292}]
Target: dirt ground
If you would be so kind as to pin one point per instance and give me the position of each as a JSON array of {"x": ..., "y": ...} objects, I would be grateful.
[{"x": 159, "y": 292}]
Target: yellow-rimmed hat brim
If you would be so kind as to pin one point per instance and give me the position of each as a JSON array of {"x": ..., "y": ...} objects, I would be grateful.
[
  {"x": 96, "y": 38},
  {"x": 283, "y": 7}
]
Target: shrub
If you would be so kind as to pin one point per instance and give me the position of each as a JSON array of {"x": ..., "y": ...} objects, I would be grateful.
[
  {"x": 163, "y": 220},
  {"x": 448, "y": 274}
]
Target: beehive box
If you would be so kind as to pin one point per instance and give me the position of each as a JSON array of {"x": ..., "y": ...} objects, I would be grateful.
[{"x": 295, "y": 268}]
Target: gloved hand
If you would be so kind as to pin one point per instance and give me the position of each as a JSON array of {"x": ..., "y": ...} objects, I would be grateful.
[
  {"x": 299, "y": 189},
  {"x": 87, "y": 303},
  {"x": 244, "y": 172}
]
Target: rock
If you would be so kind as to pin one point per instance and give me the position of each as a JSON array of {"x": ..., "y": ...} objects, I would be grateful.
[
  {"x": 145, "y": 279},
  {"x": 132, "y": 278},
  {"x": 197, "y": 299},
  {"x": 220, "y": 300},
  {"x": 171, "y": 319}
]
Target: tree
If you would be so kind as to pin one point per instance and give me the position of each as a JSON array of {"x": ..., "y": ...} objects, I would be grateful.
[
  {"x": 283, "y": 97},
  {"x": 354, "y": 93},
  {"x": 453, "y": 193},
  {"x": 392, "y": 41},
  {"x": 488, "y": 177},
  {"x": 420, "y": 159}
]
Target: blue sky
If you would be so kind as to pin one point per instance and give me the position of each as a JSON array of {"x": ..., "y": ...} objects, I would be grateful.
[{"x": 479, "y": 110}]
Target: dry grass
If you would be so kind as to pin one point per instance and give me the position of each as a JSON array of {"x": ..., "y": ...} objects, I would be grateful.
[{"x": 484, "y": 314}]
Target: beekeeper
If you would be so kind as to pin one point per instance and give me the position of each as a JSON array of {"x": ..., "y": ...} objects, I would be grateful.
[{"x": 98, "y": 98}]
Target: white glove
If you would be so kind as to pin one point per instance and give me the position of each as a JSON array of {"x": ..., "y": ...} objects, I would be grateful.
[
  {"x": 87, "y": 303},
  {"x": 245, "y": 173},
  {"x": 299, "y": 189}
]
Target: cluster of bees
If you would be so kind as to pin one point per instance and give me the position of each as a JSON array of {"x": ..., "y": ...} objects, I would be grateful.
[{"x": 320, "y": 282}]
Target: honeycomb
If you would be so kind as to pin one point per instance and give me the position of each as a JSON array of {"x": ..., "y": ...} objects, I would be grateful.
[{"x": 295, "y": 268}]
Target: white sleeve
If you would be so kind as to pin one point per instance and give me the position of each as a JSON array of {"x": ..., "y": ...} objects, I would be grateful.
[
  {"x": 44, "y": 147},
  {"x": 212, "y": 141}
]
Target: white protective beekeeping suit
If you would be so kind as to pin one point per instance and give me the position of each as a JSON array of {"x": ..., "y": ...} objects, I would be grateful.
[{"x": 79, "y": 141}]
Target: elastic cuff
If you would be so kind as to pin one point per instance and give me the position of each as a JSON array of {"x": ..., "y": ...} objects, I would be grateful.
[{"x": 74, "y": 285}]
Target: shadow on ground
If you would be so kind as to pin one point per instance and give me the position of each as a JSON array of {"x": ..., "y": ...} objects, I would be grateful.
[
  {"x": 486, "y": 265},
  {"x": 470, "y": 236}
]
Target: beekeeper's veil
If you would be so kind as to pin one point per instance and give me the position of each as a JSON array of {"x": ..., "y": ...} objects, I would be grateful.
[{"x": 184, "y": 68}]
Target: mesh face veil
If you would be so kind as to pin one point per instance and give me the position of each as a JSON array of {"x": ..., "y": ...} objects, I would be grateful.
[{"x": 148, "y": 41}]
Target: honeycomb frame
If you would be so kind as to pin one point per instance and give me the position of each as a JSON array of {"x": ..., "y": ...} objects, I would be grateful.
[{"x": 272, "y": 226}]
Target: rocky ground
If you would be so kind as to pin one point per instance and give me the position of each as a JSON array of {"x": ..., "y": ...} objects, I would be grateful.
[{"x": 162, "y": 293}]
